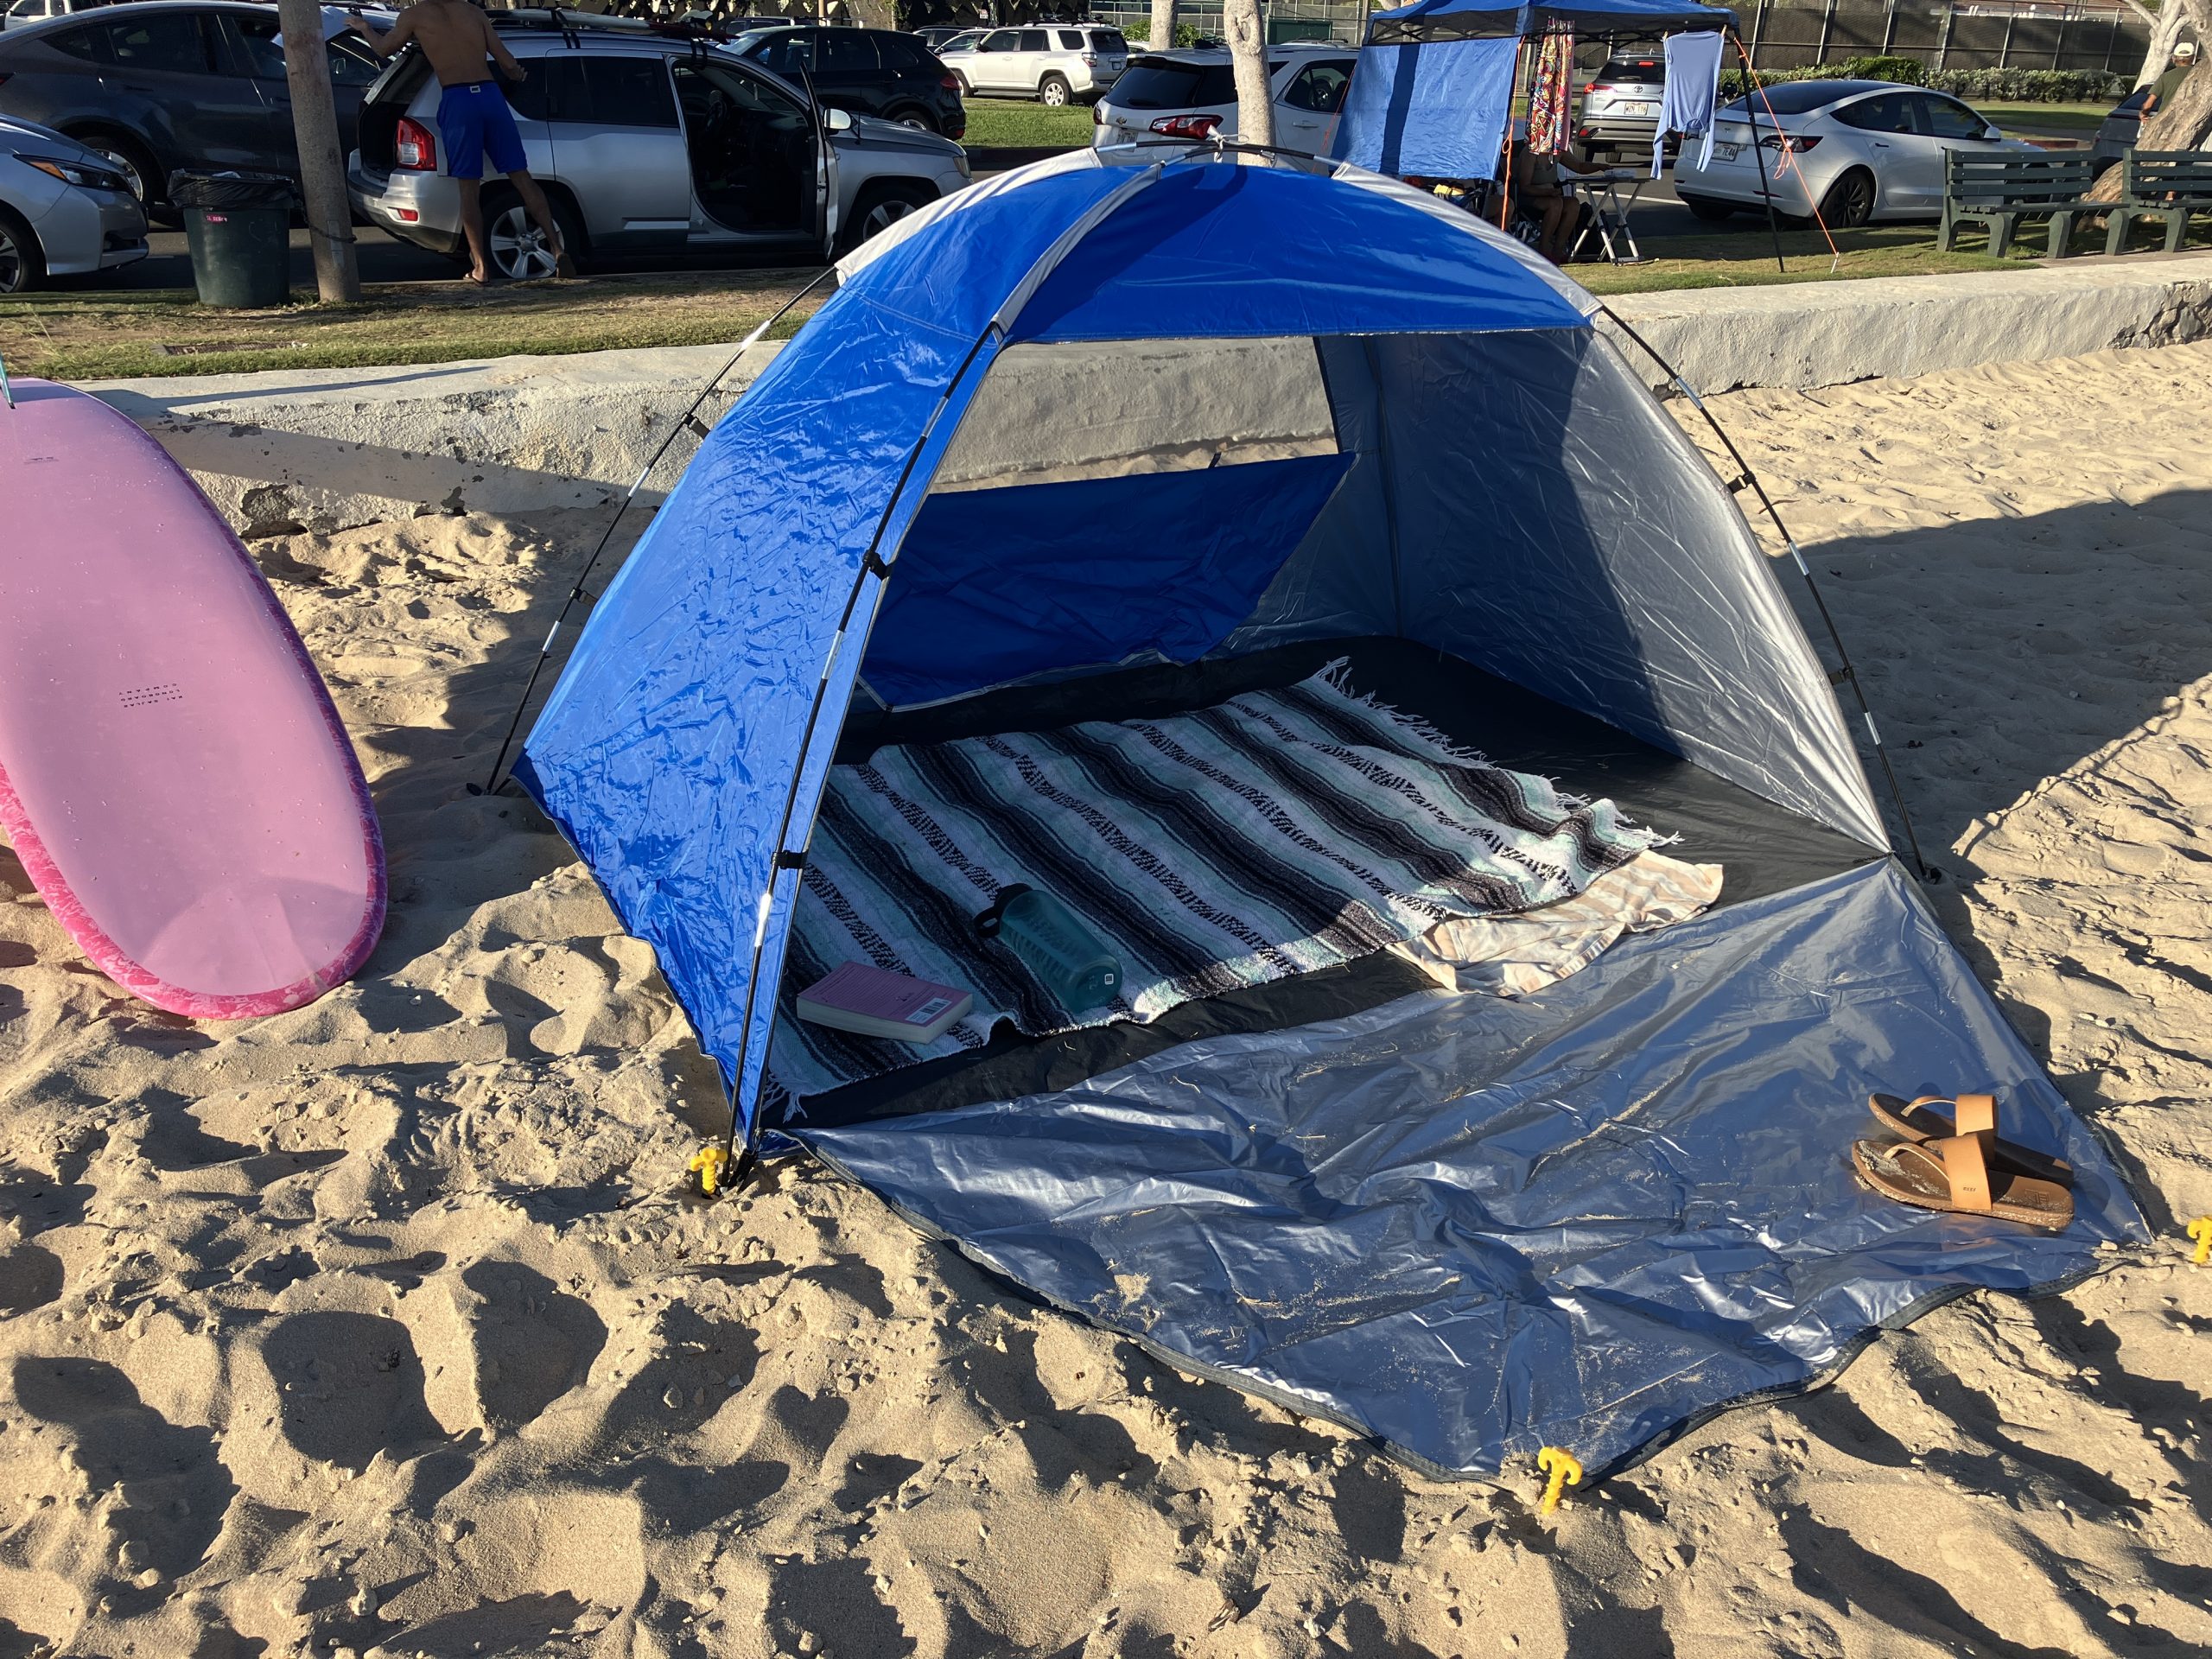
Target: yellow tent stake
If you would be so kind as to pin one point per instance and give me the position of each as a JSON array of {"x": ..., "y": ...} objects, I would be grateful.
[
  {"x": 707, "y": 1164},
  {"x": 2200, "y": 1230},
  {"x": 1565, "y": 1472}
]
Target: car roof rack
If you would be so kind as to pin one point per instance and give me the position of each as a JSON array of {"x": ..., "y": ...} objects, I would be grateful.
[{"x": 561, "y": 19}]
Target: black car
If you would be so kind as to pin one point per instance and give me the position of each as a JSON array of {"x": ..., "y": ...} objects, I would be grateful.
[
  {"x": 868, "y": 71},
  {"x": 164, "y": 84}
]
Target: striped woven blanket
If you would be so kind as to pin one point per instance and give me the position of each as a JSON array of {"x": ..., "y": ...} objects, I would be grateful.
[{"x": 1277, "y": 833}]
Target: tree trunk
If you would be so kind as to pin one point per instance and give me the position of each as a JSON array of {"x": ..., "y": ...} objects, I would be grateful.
[
  {"x": 1163, "y": 25},
  {"x": 1248, "y": 49},
  {"x": 322, "y": 170},
  {"x": 2182, "y": 124},
  {"x": 2166, "y": 26}
]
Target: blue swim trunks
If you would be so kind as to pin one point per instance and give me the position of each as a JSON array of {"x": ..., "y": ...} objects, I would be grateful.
[{"x": 475, "y": 122}]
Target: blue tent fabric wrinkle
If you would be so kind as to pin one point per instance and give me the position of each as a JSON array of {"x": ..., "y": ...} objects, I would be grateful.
[{"x": 1584, "y": 1216}]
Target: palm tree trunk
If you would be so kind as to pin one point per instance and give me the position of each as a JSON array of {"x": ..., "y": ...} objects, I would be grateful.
[
  {"x": 1248, "y": 50},
  {"x": 1163, "y": 25}
]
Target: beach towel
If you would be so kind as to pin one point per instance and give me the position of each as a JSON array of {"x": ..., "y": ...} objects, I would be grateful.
[
  {"x": 1277, "y": 833},
  {"x": 1551, "y": 125},
  {"x": 1519, "y": 955},
  {"x": 1693, "y": 88}
]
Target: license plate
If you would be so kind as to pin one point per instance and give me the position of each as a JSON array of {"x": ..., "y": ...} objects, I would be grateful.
[
  {"x": 1726, "y": 152},
  {"x": 1639, "y": 109}
]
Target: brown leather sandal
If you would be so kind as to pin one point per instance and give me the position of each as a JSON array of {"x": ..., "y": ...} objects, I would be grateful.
[
  {"x": 1955, "y": 1175},
  {"x": 1917, "y": 1121}
]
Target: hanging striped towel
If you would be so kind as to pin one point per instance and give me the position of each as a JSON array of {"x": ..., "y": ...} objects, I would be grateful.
[{"x": 1277, "y": 833}]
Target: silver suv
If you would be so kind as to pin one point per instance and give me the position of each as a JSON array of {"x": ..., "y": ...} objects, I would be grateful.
[
  {"x": 1620, "y": 106},
  {"x": 648, "y": 146},
  {"x": 1055, "y": 64}
]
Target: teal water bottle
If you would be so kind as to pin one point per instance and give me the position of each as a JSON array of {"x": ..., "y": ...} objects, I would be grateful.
[{"x": 1066, "y": 956}]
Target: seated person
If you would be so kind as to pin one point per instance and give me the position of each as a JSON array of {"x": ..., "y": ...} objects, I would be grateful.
[{"x": 1533, "y": 180}]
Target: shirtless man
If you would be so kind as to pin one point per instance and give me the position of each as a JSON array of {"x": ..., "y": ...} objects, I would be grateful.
[{"x": 474, "y": 119}]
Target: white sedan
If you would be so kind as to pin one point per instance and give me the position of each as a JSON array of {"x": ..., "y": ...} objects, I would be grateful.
[
  {"x": 1192, "y": 94},
  {"x": 64, "y": 209},
  {"x": 1859, "y": 150}
]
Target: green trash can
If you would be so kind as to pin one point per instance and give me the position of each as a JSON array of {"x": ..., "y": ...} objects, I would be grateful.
[{"x": 238, "y": 225}]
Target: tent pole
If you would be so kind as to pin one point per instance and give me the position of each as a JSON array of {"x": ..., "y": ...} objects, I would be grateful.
[
  {"x": 1927, "y": 872},
  {"x": 873, "y": 563},
  {"x": 1758, "y": 165},
  {"x": 545, "y": 651}
]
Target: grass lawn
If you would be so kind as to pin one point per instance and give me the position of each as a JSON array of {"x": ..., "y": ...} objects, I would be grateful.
[
  {"x": 1742, "y": 260},
  {"x": 90, "y": 335},
  {"x": 85, "y": 335},
  {"x": 1007, "y": 123},
  {"x": 2043, "y": 119}
]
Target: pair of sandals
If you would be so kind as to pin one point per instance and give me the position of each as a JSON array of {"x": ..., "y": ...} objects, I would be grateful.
[{"x": 1956, "y": 1163}]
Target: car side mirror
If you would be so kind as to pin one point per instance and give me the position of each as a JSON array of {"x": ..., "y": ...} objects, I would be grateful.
[
  {"x": 838, "y": 120},
  {"x": 1991, "y": 134}
]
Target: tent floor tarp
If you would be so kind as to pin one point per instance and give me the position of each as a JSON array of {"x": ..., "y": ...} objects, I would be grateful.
[
  {"x": 1473, "y": 1226},
  {"x": 1763, "y": 848}
]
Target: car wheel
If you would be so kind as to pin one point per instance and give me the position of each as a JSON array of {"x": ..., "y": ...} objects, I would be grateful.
[
  {"x": 147, "y": 181},
  {"x": 1706, "y": 207},
  {"x": 517, "y": 249},
  {"x": 881, "y": 205},
  {"x": 966, "y": 90},
  {"x": 1850, "y": 200},
  {"x": 22, "y": 266},
  {"x": 908, "y": 116},
  {"x": 1052, "y": 92}
]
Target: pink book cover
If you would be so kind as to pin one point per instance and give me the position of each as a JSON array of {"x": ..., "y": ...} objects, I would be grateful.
[{"x": 880, "y": 1003}]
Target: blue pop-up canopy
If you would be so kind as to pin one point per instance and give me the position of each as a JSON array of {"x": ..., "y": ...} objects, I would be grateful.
[
  {"x": 1468, "y": 1225},
  {"x": 1434, "y": 83}
]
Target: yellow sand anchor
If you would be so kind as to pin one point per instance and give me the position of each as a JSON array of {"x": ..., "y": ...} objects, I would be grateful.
[
  {"x": 2200, "y": 1230},
  {"x": 1565, "y": 1472}
]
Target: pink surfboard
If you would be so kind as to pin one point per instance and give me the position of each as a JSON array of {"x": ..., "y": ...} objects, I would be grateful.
[{"x": 172, "y": 773}]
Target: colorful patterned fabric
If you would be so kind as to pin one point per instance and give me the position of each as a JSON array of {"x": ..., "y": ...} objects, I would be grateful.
[
  {"x": 1551, "y": 99},
  {"x": 1278, "y": 833}
]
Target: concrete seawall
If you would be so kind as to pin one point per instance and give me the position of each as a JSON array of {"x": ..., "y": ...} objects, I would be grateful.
[
  {"x": 1824, "y": 334},
  {"x": 324, "y": 448}
]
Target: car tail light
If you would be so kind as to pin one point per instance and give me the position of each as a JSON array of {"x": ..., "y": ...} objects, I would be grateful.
[
  {"x": 406, "y": 215},
  {"x": 1788, "y": 143},
  {"x": 1599, "y": 86},
  {"x": 951, "y": 82},
  {"x": 413, "y": 149},
  {"x": 1098, "y": 115},
  {"x": 1186, "y": 126},
  {"x": 1090, "y": 60}
]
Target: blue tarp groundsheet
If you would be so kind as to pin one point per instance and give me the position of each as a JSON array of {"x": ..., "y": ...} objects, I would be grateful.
[{"x": 1467, "y": 1226}]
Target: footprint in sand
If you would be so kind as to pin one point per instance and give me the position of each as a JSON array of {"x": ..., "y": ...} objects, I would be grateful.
[
  {"x": 29, "y": 1277},
  {"x": 171, "y": 1489},
  {"x": 533, "y": 1344},
  {"x": 351, "y": 1387}
]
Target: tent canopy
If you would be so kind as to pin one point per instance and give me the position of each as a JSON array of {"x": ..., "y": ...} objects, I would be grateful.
[
  {"x": 1468, "y": 20},
  {"x": 1434, "y": 85},
  {"x": 814, "y": 483},
  {"x": 1393, "y": 426}
]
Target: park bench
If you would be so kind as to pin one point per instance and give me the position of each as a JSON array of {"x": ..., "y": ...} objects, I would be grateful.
[
  {"x": 1998, "y": 192},
  {"x": 2168, "y": 184}
]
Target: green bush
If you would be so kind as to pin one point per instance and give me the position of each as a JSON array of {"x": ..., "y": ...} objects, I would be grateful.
[
  {"x": 1995, "y": 86},
  {"x": 1907, "y": 70},
  {"x": 2033, "y": 86},
  {"x": 1138, "y": 32}
]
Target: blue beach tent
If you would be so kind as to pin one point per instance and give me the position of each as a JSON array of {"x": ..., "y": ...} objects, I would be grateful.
[{"x": 1469, "y": 1226}]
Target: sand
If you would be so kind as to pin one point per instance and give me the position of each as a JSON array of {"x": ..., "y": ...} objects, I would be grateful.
[{"x": 384, "y": 1327}]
